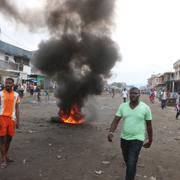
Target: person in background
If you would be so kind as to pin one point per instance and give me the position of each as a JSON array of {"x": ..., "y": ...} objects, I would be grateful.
[
  {"x": 124, "y": 94},
  {"x": 163, "y": 99},
  {"x": 25, "y": 89},
  {"x": 21, "y": 90},
  {"x": 152, "y": 96},
  {"x": 31, "y": 89},
  {"x": 113, "y": 92},
  {"x": 46, "y": 93},
  {"x": 177, "y": 106},
  {"x": 38, "y": 93},
  {"x": 159, "y": 95},
  {"x": 15, "y": 87},
  {"x": 136, "y": 116},
  {"x": 9, "y": 119},
  {"x": 1, "y": 86}
]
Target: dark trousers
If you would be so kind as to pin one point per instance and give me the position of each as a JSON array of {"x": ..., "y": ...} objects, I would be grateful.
[
  {"x": 124, "y": 99},
  {"x": 130, "y": 151},
  {"x": 163, "y": 103},
  {"x": 177, "y": 114}
]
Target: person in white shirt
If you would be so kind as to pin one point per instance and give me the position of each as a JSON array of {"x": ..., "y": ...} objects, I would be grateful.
[
  {"x": 124, "y": 94},
  {"x": 163, "y": 99}
]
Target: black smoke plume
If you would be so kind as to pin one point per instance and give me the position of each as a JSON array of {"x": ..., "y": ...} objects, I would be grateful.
[
  {"x": 80, "y": 53},
  {"x": 34, "y": 19}
]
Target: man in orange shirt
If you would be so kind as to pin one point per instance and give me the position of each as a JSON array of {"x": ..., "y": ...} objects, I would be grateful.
[{"x": 9, "y": 118}]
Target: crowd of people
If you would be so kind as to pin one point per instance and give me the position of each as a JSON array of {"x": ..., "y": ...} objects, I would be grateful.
[
  {"x": 163, "y": 97},
  {"x": 25, "y": 89},
  {"x": 112, "y": 92}
]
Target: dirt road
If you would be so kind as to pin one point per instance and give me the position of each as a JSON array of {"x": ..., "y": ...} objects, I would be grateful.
[{"x": 51, "y": 151}]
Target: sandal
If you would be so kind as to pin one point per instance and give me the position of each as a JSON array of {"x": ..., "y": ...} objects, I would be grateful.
[{"x": 3, "y": 165}]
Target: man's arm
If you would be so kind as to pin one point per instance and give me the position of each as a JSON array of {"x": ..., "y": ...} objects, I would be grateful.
[
  {"x": 113, "y": 127},
  {"x": 150, "y": 134},
  {"x": 17, "y": 115}
]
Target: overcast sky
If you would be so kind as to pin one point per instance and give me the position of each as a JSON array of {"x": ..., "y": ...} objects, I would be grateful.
[{"x": 147, "y": 31}]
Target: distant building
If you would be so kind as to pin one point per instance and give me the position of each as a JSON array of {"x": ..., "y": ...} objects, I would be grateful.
[
  {"x": 168, "y": 80},
  {"x": 164, "y": 80},
  {"x": 176, "y": 67},
  {"x": 154, "y": 80},
  {"x": 14, "y": 62},
  {"x": 120, "y": 85}
]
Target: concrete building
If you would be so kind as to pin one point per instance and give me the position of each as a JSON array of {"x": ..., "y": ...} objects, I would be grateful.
[
  {"x": 14, "y": 62},
  {"x": 154, "y": 81},
  {"x": 160, "y": 81},
  {"x": 168, "y": 81},
  {"x": 176, "y": 67}
]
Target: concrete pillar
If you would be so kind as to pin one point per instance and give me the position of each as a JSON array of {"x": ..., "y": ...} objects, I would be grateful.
[{"x": 173, "y": 87}]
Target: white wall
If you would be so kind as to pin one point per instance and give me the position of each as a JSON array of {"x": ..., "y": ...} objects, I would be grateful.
[
  {"x": 27, "y": 69},
  {"x": 2, "y": 57}
]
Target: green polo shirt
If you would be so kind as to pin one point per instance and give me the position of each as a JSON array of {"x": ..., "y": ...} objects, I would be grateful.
[{"x": 134, "y": 126}]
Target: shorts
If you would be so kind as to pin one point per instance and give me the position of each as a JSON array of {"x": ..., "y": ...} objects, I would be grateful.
[{"x": 7, "y": 126}]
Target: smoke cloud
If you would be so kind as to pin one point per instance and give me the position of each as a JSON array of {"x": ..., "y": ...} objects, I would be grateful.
[
  {"x": 80, "y": 53},
  {"x": 34, "y": 19}
]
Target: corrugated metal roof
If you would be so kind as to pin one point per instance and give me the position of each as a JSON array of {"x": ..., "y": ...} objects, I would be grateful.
[{"x": 13, "y": 50}]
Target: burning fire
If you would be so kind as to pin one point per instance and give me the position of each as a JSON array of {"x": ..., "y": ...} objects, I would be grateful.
[{"x": 73, "y": 117}]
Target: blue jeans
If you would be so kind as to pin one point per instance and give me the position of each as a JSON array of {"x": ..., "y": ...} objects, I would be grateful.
[{"x": 130, "y": 151}]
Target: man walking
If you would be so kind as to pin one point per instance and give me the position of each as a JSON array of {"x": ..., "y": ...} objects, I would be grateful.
[
  {"x": 136, "y": 117},
  {"x": 9, "y": 119},
  {"x": 163, "y": 99},
  {"x": 125, "y": 94}
]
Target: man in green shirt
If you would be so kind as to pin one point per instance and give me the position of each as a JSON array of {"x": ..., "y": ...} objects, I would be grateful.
[{"x": 136, "y": 117}]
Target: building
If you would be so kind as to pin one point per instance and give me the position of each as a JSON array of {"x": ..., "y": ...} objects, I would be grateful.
[
  {"x": 14, "y": 62},
  {"x": 162, "y": 81},
  {"x": 168, "y": 81},
  {"x": 154, "y": 81},
  {"x": 176, "y": 67}
]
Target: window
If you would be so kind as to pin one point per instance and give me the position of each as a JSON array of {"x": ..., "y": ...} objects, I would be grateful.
[{"x": 6, "y": 58}]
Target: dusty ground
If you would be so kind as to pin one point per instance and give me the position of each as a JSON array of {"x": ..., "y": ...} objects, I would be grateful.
[{"x": 51, "y": 151}]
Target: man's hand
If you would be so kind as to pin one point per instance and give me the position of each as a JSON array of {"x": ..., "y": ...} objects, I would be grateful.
[
  {"x": 110, "y": 137},
  {"x": 113, "y": 127},
  {"x": 150, "y": 135},
  {"x": 147, "y": 144}
]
